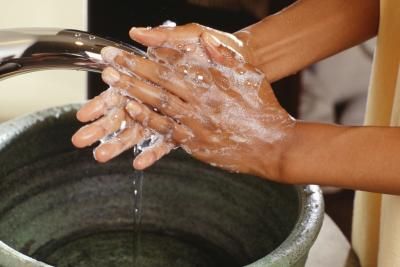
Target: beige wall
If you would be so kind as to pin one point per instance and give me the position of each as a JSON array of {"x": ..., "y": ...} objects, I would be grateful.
[{"x": 34, "y": 91}]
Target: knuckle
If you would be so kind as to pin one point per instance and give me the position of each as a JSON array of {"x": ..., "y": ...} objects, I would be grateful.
[{"x": 193, "y": 25}]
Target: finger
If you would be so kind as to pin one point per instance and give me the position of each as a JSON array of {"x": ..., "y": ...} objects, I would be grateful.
[
  {"x": 147, "y": 69},
  {"x": 164, "y": 55},
  {"x": 175, "y": 56},
  {"x": 99, "y": 129},
  {"x": 161, "y": 36},
  {"x": 220, "y": 53},
  {"x": 99, "y": 105},
  {"x": 180, "y": 64},
  {"x": 124, "y": 141},
  {"x": 159, "y": 123},
  {"x": 91, "y": 110},
  {"x": 153, "y": 96},
  {"x": 149, "y": 156}
]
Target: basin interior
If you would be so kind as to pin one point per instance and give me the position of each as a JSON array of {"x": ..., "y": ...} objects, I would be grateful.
[{"x": 61, "y": 207}]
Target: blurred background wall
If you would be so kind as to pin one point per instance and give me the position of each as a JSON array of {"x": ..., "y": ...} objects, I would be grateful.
[{"x": 34, "y": 91}]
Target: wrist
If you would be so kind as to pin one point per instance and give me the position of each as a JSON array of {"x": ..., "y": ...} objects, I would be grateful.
[
  {"x": 270, "y": 154},
  {"x": 311, "y": 152},
  {"x": 302, "y": 153},
  {"x": 292, "y": 154},
  {"x": 272, "y": 44},
  {"x": 308, "y": 31}
]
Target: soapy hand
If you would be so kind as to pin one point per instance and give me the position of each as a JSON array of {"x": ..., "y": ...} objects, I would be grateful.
[
  {"x": 209, "y": 100},
  {"x": 110, "y": 124}
]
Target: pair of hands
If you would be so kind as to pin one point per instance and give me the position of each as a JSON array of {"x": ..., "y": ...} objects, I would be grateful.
[{"x": 198, "y": 90}]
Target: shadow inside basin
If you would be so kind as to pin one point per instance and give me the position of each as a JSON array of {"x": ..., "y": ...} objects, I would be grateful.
[{"x": 61, "y": 207}]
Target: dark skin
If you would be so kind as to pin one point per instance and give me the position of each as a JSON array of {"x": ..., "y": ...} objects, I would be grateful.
[{"x": 280, "y": 149}]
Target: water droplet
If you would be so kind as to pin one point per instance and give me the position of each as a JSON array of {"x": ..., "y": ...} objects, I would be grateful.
[
  {"x": 200, "y": 77},
  {"x": 77, "y": 35},
  {"x": 91, "y": 37},
  {"x": 123, "y": 125},
  {"x": 185, "y": 71},
  {"x": 169, "y": 24}
]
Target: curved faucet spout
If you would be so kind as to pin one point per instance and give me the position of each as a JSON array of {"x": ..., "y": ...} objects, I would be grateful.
[{"x": 33, "y": 49}]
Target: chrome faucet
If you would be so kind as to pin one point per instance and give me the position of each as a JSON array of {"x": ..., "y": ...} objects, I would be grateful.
[{"x": 32, "y": 49}]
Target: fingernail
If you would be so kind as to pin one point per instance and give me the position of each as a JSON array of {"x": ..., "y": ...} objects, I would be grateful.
[
  {"x": 109, "y": 53},
  {"x": 149, "y": 36},
  {"x": 140, "y": 31},
  {"x": 110, "y": 76}
]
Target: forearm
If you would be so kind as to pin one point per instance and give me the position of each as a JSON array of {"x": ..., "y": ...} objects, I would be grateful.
[
  {"x": 308, "y": 31},
  {"x": 363, "y": 158}
]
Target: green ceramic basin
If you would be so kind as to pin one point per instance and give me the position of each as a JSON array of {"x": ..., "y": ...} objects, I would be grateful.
[{"x": 59, "y": 207}]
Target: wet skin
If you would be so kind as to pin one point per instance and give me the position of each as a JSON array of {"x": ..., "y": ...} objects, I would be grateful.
[
  {"x": 208, "y": 98},
  {"x": 361, "y": 158}
]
